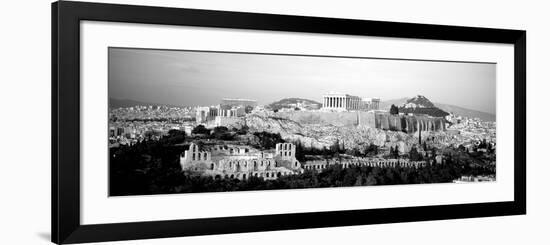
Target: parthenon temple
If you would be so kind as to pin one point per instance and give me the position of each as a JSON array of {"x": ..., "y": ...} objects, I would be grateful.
[{"x": 346, "y": 102}]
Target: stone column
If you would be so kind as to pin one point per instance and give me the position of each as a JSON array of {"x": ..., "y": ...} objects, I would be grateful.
[{"x": 345, "y": 103}]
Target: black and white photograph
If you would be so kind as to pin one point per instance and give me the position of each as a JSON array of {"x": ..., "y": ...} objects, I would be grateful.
[
  {"x": 275, "y": 122},
  {"x": 192, "y": 121}
]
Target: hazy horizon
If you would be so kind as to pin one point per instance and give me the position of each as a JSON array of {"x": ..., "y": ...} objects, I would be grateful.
[{"x": 190, "y": 78}]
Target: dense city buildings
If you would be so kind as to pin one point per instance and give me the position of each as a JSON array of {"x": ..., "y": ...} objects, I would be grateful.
[{"x": 238, "y": 102}]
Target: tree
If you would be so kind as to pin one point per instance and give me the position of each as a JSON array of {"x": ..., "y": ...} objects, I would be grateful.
[
  {"x": 371, "y": 149},
  {"x": 394, "y": 110},
  {"x": 414, "y": 155},
  {"x": 354, "y": 152},
  {"x": 174, "y": 136},
  {"x": 371, "y": 179},
  {"x": 335, "y": 148},
  {"x": 268, "y": 140},
  {"x": 148, "y": 134},
  {"x": 200, "y": 129},
  {"x": 242, "y": 131},
  {"x": 359, "y": 180},
  {"x": 248, "y": 109},
  {"x": 396, "y": 152},
  {"x": 300, "y": 152},
  {"x": 221, "y": 133}
]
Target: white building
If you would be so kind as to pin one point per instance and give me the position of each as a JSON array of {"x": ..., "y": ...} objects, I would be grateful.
[
  {"x": 341, "y": 102},
  {"x": 371, "y": 103},
  {"x": 344, "y": 102},
  {"x": 241, "y": 162}
]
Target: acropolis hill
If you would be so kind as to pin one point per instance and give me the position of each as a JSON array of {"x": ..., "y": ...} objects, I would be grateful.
[
  {"x": 348, "y": 119},
  {"x": 373, "y": 119},
  {"x": 323, "y": 135}
]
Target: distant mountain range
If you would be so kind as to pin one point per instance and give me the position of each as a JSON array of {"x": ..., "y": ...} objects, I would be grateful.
[
  {"x": 293, "y": 103},
  {"x": 456, "y": 110}
]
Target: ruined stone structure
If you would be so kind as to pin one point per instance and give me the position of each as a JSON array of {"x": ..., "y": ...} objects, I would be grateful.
[
  {"x": 372, "y": 119},
  {"x": 371, "y": 104},
  {"x": 405, "y": 123},
  {"x": 339, "y": 101},
  {"x": 345, "y": 102},
  {"x": 207, "y": 114},
  {"x": 371, "y": 162},
  {"x": 286, "y": 151},
  {"x": 241, "y": 162},
  {"x": 235, "y": 111}
]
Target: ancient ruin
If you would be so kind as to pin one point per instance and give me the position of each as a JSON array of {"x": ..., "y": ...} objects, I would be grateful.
[
  {"x": 345, "y": 102},
  {"x": 241, "y": 162}
]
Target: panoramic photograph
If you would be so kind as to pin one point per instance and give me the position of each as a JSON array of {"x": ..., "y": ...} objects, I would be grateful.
[{"x": 185, "y": 121}]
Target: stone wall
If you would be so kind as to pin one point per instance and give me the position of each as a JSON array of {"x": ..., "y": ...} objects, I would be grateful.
[
  {"x": 361, "y": 162},
  {"x": 341, "y": 119},
  {"x": 240, "y": 162},
  {"x": 374, "y": 119}
]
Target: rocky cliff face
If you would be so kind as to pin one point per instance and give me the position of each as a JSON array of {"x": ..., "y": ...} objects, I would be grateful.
[
  {"x": 409, "y": 124},
  {"x": 321, "y": 136}
]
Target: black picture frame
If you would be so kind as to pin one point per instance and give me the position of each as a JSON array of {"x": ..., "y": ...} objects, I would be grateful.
[{"x": 66, "y": 17}]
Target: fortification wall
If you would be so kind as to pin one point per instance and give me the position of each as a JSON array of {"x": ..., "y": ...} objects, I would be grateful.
[
  {"x": 381, "y": 120},
  {"x": 371, "y": 162},
  {"x": 344, "y": 118}
]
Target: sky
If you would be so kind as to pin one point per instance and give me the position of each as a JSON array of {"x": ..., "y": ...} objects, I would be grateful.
[{"x": 190, "y": 78}]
